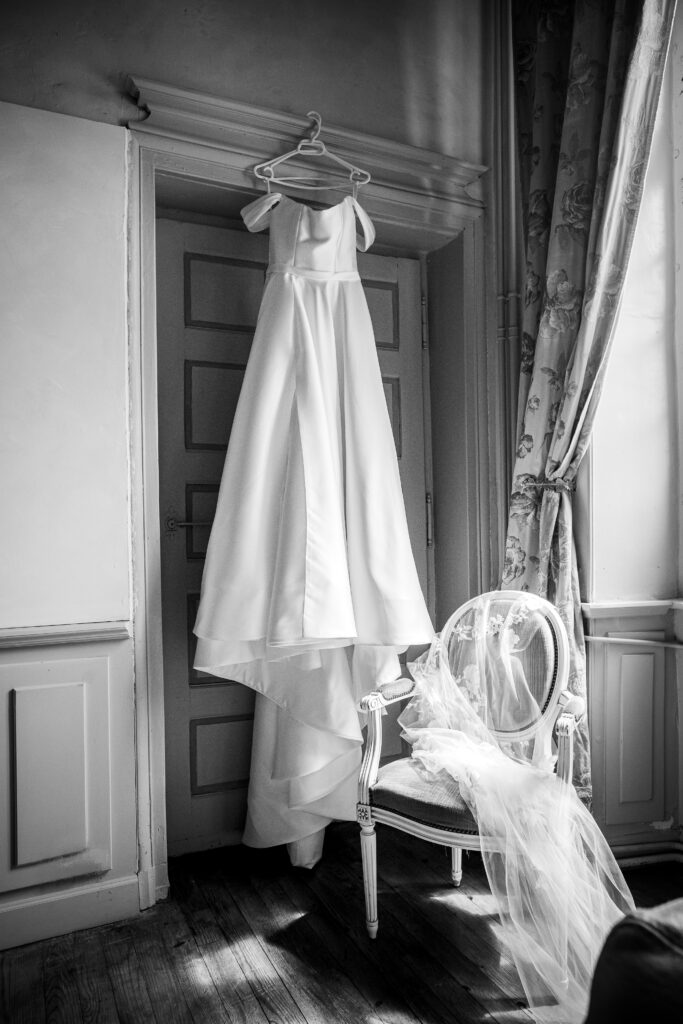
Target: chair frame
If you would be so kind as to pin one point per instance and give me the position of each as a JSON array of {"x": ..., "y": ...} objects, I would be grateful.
[{"x": 553, "y": 717}]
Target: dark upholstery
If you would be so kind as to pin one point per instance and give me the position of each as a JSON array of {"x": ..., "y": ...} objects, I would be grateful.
[
  {"x": 401, "y": 787},
  {"x": 639, "y": 973}
]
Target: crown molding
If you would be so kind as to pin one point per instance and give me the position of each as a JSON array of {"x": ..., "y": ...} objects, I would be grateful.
[{"x": 255, "y": 134}]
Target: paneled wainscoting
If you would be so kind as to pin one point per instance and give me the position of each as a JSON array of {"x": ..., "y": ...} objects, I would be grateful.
[
  {"x": 246, "y": 937},
  {"x": 635, "y": 683},
  {"x": 68, "y": 856}
]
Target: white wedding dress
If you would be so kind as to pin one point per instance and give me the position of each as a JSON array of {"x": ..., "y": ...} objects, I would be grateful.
[
  {"x": 557, "y": 885},
  {"x": 310, "y": 587}
]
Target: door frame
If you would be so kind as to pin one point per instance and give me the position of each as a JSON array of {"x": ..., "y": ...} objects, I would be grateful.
[{"x": 420, "y": 198}]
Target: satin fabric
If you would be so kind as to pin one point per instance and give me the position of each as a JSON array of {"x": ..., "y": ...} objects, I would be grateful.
[{"x": 310, "y": 587}]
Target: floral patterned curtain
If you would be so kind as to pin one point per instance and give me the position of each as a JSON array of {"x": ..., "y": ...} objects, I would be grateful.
[{"x": 588, "y": 81}]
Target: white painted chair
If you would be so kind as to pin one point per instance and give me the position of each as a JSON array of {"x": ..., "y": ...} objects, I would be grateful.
[{"x": 399, "y": 795}]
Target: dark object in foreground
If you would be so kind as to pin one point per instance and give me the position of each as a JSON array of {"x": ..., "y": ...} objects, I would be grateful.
[{"x": 639, "y": 974}]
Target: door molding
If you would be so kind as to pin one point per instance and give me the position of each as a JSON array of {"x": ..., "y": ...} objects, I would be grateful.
[
  {"x": 417, "y": 197},
  {"x": 250, "y": 134}
]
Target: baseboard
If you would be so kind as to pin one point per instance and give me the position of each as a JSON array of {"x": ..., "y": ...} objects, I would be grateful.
[
  {"x": 44, "y": 915},
  {"x": 153, "y": 886},
  {"x": 639, "y": 854},
  {"x": 181, "y": 847}
]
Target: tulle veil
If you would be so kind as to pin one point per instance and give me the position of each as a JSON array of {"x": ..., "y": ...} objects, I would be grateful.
[{"x": 556, "y": 883}]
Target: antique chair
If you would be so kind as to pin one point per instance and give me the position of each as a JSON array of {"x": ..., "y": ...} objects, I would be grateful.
[{"x": 400, "y": 795}]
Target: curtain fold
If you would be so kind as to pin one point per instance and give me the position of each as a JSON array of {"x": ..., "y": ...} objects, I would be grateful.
[{"x": 588, "y": 78}]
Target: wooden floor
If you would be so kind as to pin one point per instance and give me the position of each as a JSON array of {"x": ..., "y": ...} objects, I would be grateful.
[{"x": 245, "y": 937}]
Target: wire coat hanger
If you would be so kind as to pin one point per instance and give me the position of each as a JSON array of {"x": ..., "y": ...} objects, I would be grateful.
[{"x": 315, "y": 147}]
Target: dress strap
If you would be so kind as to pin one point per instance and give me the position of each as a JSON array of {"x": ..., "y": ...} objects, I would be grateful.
[
  {"x": 364, "y": 240},
  {"x": 255, "y": 214}
]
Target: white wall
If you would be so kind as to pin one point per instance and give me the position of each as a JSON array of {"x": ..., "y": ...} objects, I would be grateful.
[
  {"x": 676, "y": 62},
  {"x": 400, "y": 69},
  {"x": 635, "y": 438},
  {"x": 67, "y": 727},
  {"x": 64, "y": 546}
]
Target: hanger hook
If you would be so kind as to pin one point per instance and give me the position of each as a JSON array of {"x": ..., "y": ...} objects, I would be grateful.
[{"x": 315, "y": 132}]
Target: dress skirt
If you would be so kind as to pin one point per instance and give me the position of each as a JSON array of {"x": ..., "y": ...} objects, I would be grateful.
[{"x": 310, "y": 586}]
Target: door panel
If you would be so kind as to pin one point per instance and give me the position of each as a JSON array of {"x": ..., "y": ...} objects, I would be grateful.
[
  {"x": 392, "y": 288},
  {"x": 209, "y": 284}
]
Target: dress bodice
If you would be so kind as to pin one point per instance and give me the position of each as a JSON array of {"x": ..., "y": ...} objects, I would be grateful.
[{"x": 311, "y": 241}]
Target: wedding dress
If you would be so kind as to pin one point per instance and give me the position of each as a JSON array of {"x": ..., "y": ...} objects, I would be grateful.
[
  {"x": 556, "y": 883},
  {"x": 309, "y": 587}
]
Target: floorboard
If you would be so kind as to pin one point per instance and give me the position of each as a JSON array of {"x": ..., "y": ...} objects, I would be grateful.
[
  {"x": 166, "y": 994},
  {"x": 463, "y": 918},
  {"x": 306, "y": 967},
  {"x": 378, "y": 989},
  {"x": 23, "y": 996},
  {"x": 406, "y": 948},
  {"x": 132, "y": 999},
  {"x": 246, "y": 939},
  {"x": 260, "y": 975},
  {"x": 60, "y": 981},
  {"x": 95, "y": 991}
]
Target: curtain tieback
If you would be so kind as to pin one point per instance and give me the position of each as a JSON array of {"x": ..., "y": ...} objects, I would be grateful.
[{"x": 566, "y": 486}]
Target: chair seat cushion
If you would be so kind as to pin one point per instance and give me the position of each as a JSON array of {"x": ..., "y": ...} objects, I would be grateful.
[{"x": 401, "y": 787}]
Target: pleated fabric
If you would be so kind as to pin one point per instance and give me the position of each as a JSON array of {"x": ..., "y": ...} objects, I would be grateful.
[{"x": 310, "y": 587}]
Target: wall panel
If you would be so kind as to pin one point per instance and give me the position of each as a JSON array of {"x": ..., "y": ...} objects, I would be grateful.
[
  {"x": 49, "y": 772},
  {"x": 634, "y": 706},
  {"x": 633, "y": 716},
  {"x": 64, "y": 546},
  {"x": 68, "y": 858},
  {"x": 56, "y": 807}
]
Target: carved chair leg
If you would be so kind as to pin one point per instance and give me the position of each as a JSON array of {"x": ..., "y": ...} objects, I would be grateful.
[
  {"x": 368, "y": 849},
  {"x": 456, "y": 865}
]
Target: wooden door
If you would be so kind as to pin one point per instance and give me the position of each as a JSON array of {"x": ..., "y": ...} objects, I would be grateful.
[{"x": 209, "y": 286}]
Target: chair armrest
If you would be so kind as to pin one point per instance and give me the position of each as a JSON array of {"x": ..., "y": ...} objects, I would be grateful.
[
  {"x": 572, "y": 709},
  {"x": 387, "y": 693},
  {"x": 566, "y": 724},
  {"x": 572, "y": 704},
  {"x": 374, "y": 704}
]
